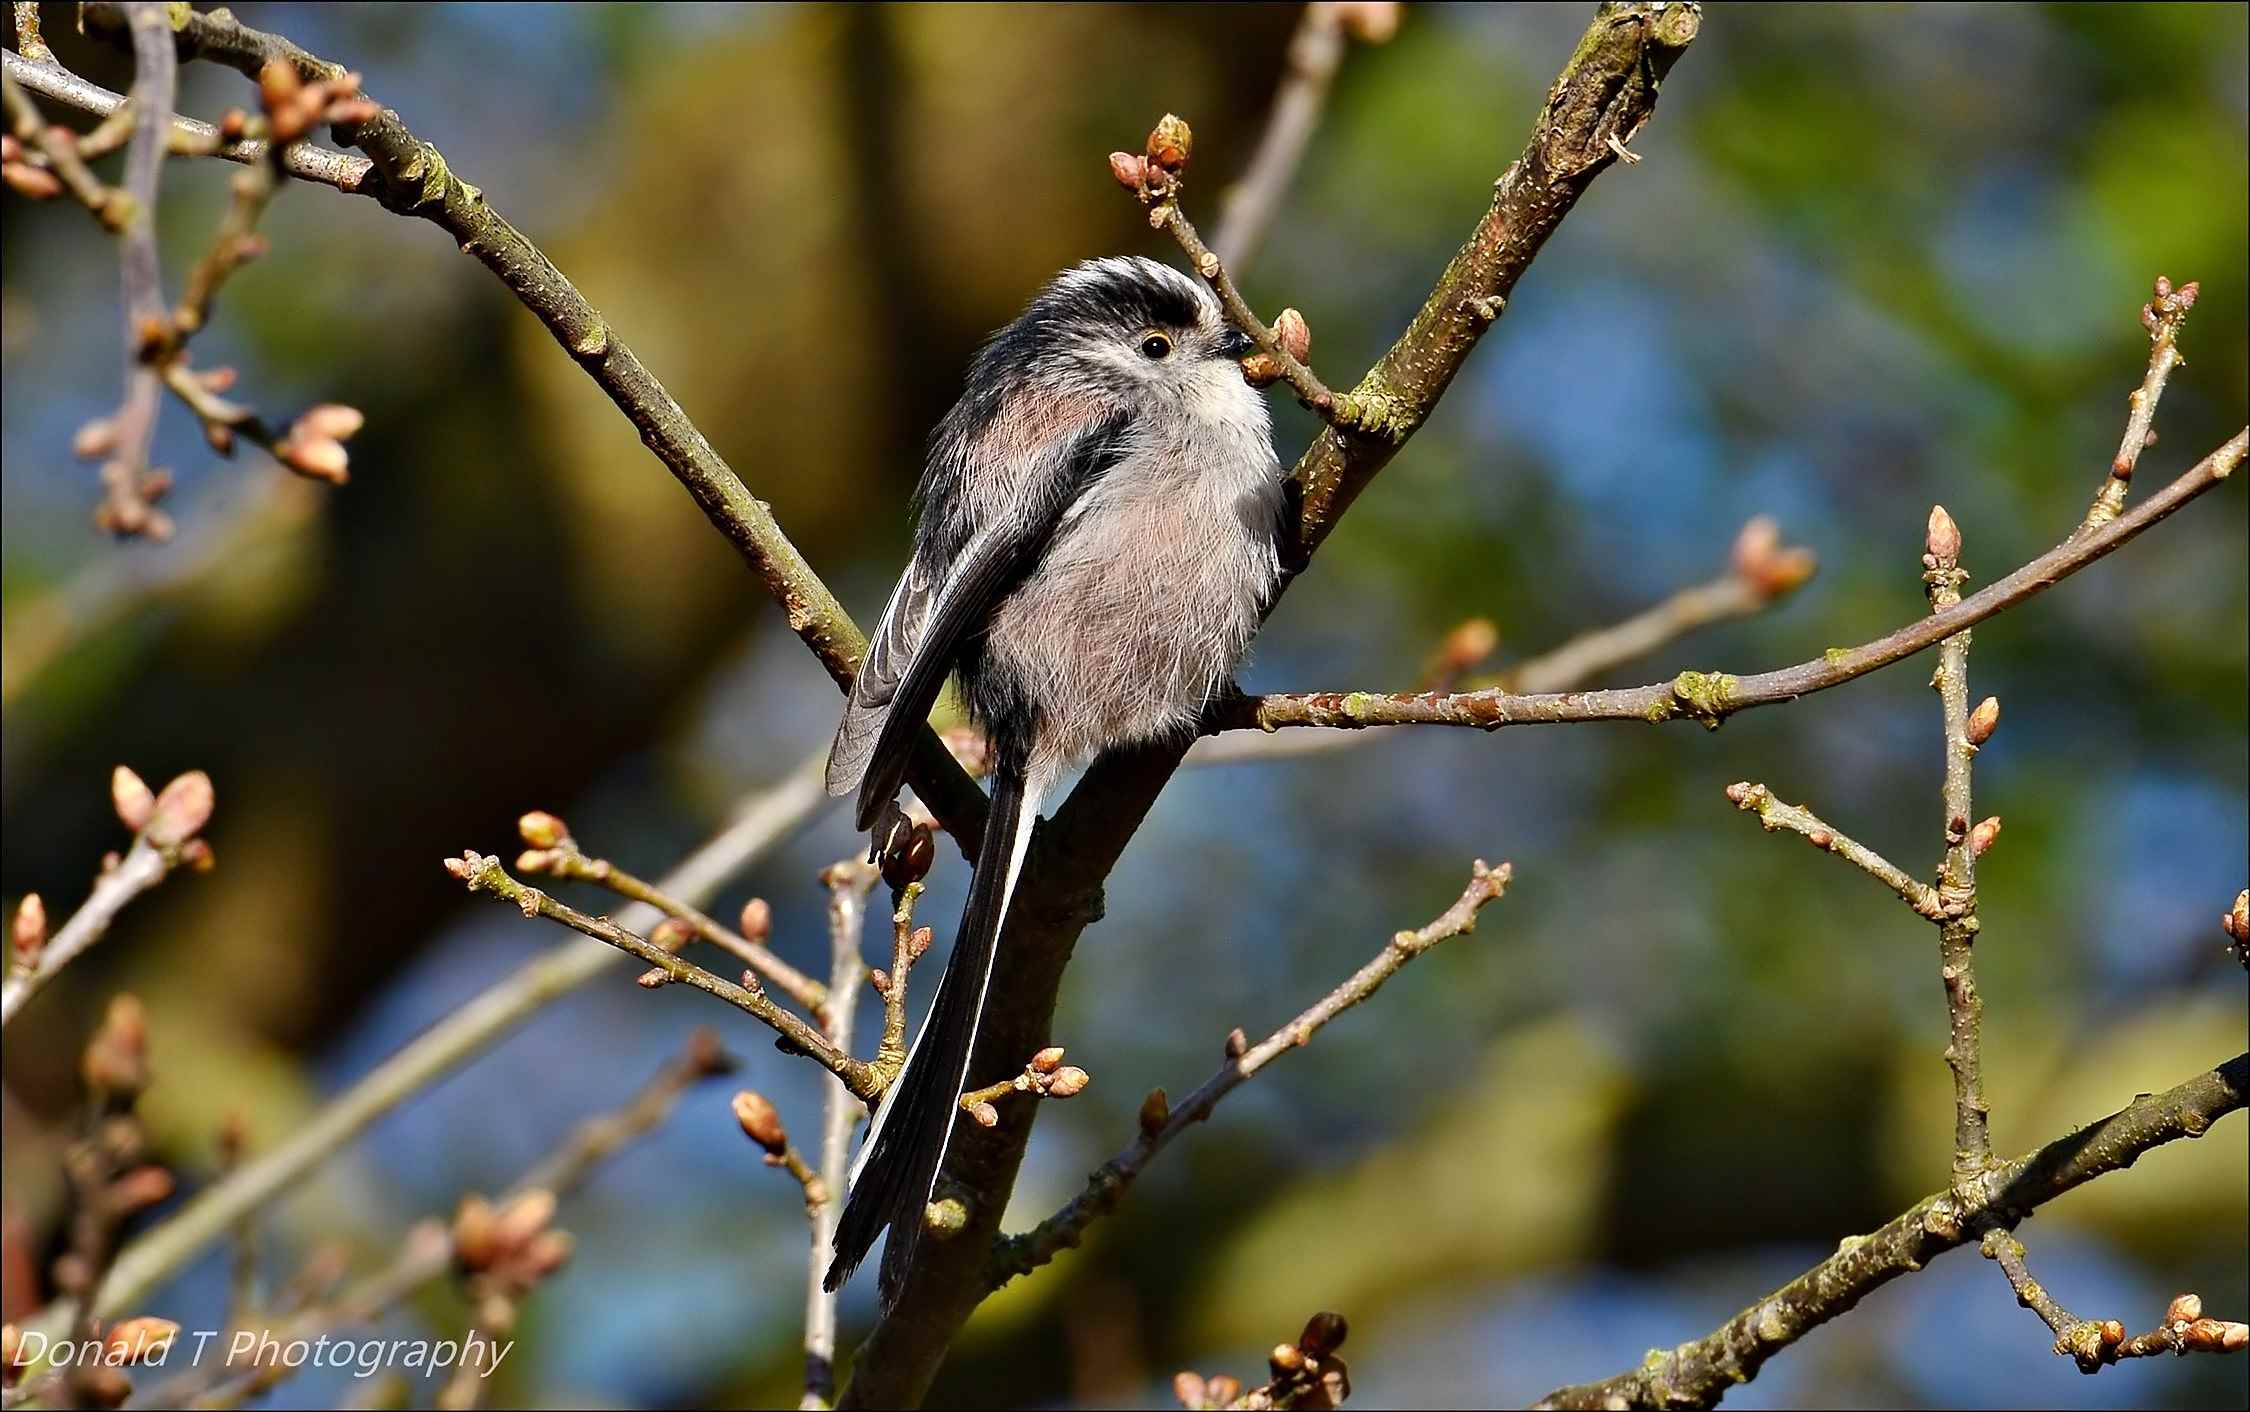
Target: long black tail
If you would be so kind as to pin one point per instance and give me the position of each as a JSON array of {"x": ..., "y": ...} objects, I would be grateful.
[{"x": 898, "y": 1162}]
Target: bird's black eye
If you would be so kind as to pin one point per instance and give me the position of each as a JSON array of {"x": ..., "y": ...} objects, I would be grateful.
[{"x": 1156, "y": 345}]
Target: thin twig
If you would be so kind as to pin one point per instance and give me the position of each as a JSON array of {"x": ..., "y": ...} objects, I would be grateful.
[
  {"x": 475, "y": 1026},
  {"x": 412, "y": 178},
  {"x": 564, "y": 859},
  {"x": 143, "y": 867},
  {"x": 907, "y": 945},
  {"x": 29, "y": 40},
  {"x": 304, "y": 161},
  {"x": 1771, "y": 812},
  {"x": 426, "y": 1254},
  {"x": 848, "y": 882},
  {"x": 2162, "y": 316},
  {"x": 483, "y": 874},
  {"x": 1021, "y": 1254},
  {"x": 2095, "y": 1344},
  {"x": 1761, "y": 573},
  {"x": 1957, "y": 884},
  {"x": 1247, "y": 210},
  {"x": 1700, "y": 1372},
  {"x": 1710, "y": 697}
]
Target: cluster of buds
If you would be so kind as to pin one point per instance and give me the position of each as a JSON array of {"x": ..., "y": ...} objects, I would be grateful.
[
  {"x": 1046, "y": 1075},
  {"x": 509, "y": 1248},
  {"x": 314, "y": 444},
  {"x": 1765, "y": 565},
  {"x": 172, "y": 819},
  {"x": 294, "y": 107},
  {"x": 1306, "y": 1373},
  {"x": 1154, "y": 173},
  {"x": 2162, "y": 314},
  {"x": 2192, "y": 1332},
  {"x": 2236, "y": 924},
  {"x": 1293, "y": 336}
]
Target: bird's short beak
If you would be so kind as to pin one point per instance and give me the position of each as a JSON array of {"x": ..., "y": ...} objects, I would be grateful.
[{"x": 1236, "y": 344}]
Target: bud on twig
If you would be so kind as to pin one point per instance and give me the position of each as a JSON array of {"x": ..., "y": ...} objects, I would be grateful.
[
  {"x": 1261, "y": 370},
  {"x": 1068, "y": 1082},
  {"x": 1984, "y": 720},
  {"x": 986, "y": 1115},
  {"x": 672, "y": 933},
  {"x": 181, "y": 810},
  {"x": 1367, "y": 21},
  {"x": 1156, "y": 1111},
  {"x": 1983, "y": 835},
  {"x": 757, "y": 920},
  {"x": 1944, "y": 538},
  {"x": 1293, "y": 334},
  {"x": 1760, "y": 560},
  {"x": 1170, "y": 144},
  {"x": 1238, "y": 1043},
  {"x": 1224, "y": 1389},
  {"x": 541, "y": 829},
  {"x": 1130, "y": 170},
  {"x": 137, "y": 1340},
  {"x": 1188, "y": 1389},
  {"x": 760, "y": 1122},
  {"x": 132, "y": 797},
  {"x": 28, "y": 933},
  {"x": 474, "y": 1242},
  {"x": 95, "y": 440}
]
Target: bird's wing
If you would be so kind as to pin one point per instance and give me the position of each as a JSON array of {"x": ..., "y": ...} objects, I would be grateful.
[{"x": 935, "y": 608}]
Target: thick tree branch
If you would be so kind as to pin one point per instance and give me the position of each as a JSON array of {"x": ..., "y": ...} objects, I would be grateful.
[
  {"x": 411, "y": 177},
  {"x": 1710, "y": 697},
  {"x": 1699, "y": 1373},
  {"x": 1607, "y": 89}
]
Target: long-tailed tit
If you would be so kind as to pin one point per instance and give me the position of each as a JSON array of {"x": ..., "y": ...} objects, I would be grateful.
[{"x": 1096, "y": 544}]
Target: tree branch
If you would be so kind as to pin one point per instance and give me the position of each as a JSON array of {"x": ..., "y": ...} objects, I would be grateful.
[
  {"x": 1608, "y": 87},
  {"x": 411, "y": 177},
  {"x": 1773, "y": 814},
  {"x": 1021, "y": 1254},
  {"x": 1316, "y": 51},
  {"x": 302, "y": 160},
  {"x": 1699, "y": 1373},
  {"x": 463, "y": 1034},
  {"x": 482, "y": 874},
  {"x": 1711, "y": 697}
]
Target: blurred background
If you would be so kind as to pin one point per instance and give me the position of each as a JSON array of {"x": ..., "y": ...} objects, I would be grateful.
[{"x": 1876, "y": 257}]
